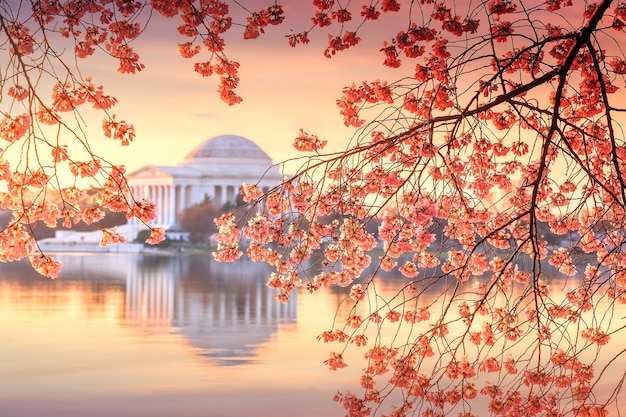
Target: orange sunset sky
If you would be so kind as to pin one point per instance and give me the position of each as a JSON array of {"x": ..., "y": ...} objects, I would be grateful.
[{"x": 284, "y": 89}]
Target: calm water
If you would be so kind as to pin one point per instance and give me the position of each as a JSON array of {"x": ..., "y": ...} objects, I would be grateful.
[
  {"x": 131, "y": 335},
  {"x": 148, "y": 336}
]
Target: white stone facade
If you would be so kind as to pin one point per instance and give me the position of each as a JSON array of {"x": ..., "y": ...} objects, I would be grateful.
[{"x": 215, "y": 169}]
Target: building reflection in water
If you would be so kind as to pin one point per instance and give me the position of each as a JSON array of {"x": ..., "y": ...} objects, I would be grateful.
[{"x": 223, "y": 310}]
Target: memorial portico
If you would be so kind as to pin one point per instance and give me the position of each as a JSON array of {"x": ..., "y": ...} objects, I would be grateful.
[{"x": 215, "y": 169}]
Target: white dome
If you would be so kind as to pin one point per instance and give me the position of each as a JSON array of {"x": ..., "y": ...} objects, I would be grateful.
[{"x": 227, "y": 147}]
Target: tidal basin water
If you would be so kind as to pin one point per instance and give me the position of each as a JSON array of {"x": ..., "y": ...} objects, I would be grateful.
[{"x": 143, "y": 335}]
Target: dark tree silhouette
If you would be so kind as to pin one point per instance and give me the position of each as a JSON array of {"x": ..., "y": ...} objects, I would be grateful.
[{"x": 197, "y": 220}]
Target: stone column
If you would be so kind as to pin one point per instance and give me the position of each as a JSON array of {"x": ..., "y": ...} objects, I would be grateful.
[
  {"x": 161, "y": 205},
  {"x": 164, "y": 204},
  {"x": 170, "y": 204},
  {"x": 177, "y": 201},
  {"x": 157, "y": 199}
]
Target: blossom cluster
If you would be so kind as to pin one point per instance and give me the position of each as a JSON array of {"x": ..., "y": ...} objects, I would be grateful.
[{"x": 496, "y": 179}]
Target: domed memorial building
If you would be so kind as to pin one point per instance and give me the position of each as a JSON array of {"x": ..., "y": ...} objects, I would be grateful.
[{"x": 215, "y": 169}]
